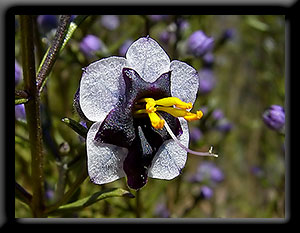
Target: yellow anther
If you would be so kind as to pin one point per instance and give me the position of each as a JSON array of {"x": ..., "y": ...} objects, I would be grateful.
[
  {"x": 166, "y": 105},
  {"x": 150, "y": 104},
  {"x": 170, "y": 101},
  {"x": 193, "y": 116},
  {"x": 175, "y": 112},
  {"x": 156, "y": 122}
]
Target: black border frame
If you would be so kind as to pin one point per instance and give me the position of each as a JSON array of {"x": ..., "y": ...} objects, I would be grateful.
[{"x": 291, "y": 39}]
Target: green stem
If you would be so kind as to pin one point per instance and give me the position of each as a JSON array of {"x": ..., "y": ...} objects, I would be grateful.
[
  {"x": 52, "y": 53},
  {"x": 32, "y": 109},
  {"x": 138, "y": 206}
]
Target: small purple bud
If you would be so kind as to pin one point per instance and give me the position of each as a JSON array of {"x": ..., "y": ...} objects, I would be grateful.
[
  {"x": 206, "y": 192},
  {"x": 183, "y": 24},
  {"x": 216, "y": 175},
  {"x": 224, "y": 125},
  {"x": 165, "y": 37},
  {"x": 90, "y": 44},
  {"x": 228, "y": 34},
  {"x": 161, "y": 211},
  {"x": 199, "y": 43},
  {"x": 18, "y": 73},
  {"x": 207, "y": 80},
  {"x": 208, "y": 60},
  {"x": 110, "y": 22},
  {"x": 217, "y": 114},
  {"x": 20, "y": 112},
  {"x": 274, "y": 117},
  {"x": 256, "y": 171}
]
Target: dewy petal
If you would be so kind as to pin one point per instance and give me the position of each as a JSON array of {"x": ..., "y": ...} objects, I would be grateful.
[
  {"x": 105, "y": 161},
  {"x": 184, "y": 81},
  {"x": 101, "y": 86},
  {"x": 170, "y": 159},
  {"x": 148, "y": 59}
]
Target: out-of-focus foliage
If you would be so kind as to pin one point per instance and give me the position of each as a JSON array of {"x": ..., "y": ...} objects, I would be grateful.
[{"x": 247, "y": 180}]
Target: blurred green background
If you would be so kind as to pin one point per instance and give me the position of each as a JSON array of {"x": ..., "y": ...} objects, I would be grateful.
[{"x": 250, "y": 76}]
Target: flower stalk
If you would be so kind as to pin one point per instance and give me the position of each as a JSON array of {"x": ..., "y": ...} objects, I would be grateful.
[
  {"x": 32, "y": 109},
  {"x": 52, "y": 53}
]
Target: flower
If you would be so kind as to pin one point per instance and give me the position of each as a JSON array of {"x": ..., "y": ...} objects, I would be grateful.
[
  {"x": 228, "y": 34},
  {"x": 224, "y": 125},
  {"x": 206, "y": 192},
  {"x": 218, "y": 114},
  {"x": 136, "y": 131},
  {"x": 207, "y": 81},
  {"x": 199, "y": 43},
  {"x": 208, "y": 172},
  {"x": 20, "y": 113},
  {"x": 274, "y": 117},
  {"x": 208, "y": 60},
  {"x": 90, "y": 44},
  {"x": 161, "y": 210},
  {"x": 110, "y": 22}
]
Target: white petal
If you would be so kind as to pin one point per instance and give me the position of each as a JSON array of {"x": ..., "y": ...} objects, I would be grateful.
[
  {"x": 184, "y": 81},
  {"x": 100, "y": 87},
  {"x": 148, "y": 59},
  {"x": 105, "y": 161},
  {"x": 171, "y": 158}
]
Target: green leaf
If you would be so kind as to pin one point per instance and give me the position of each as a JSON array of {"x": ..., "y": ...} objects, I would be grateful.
[
  {"x": 73, "y": 26},
  {"x": 254, "y": 22},
  {"x": 87, "y": 201},
  {"x": 77, "y": 127},
  {"x": 21, "y": 101}
]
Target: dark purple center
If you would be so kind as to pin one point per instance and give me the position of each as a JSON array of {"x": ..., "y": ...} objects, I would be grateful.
[{"x": 121, "y": 128}]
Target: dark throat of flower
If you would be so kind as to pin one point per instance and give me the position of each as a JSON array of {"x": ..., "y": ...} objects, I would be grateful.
[{"x": 173, "y": 106}]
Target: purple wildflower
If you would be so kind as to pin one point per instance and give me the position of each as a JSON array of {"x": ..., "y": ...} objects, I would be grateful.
[
  {"x": 208, "y": 172},
  {"x": 206, "y": 192},
  {"x": 20, "y": 112},
  {"x": 110, "y": 22},
  {"x": 199, "y": 43},
  {"x": 274, "y": 117},
  {"x": 90, "y": 44},
  {"x": 218, "y": 114},
  {"x": 224, "y": 125},
  {"x": 162, "y": 211},
  {"x": 207, "y": 80}
]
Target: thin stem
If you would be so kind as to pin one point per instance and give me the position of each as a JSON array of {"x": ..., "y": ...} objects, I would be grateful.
[
  {"x": 32, "y": 109},
  {"x": 138, "y": 205},
  {"x": 81, "y": 177},
  {"x": 53, "y": 51},
  {"x": 22, "y": 194}
]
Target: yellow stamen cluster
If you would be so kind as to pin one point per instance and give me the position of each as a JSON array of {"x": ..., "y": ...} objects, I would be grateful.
[{"x": 172, "y": 105}]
